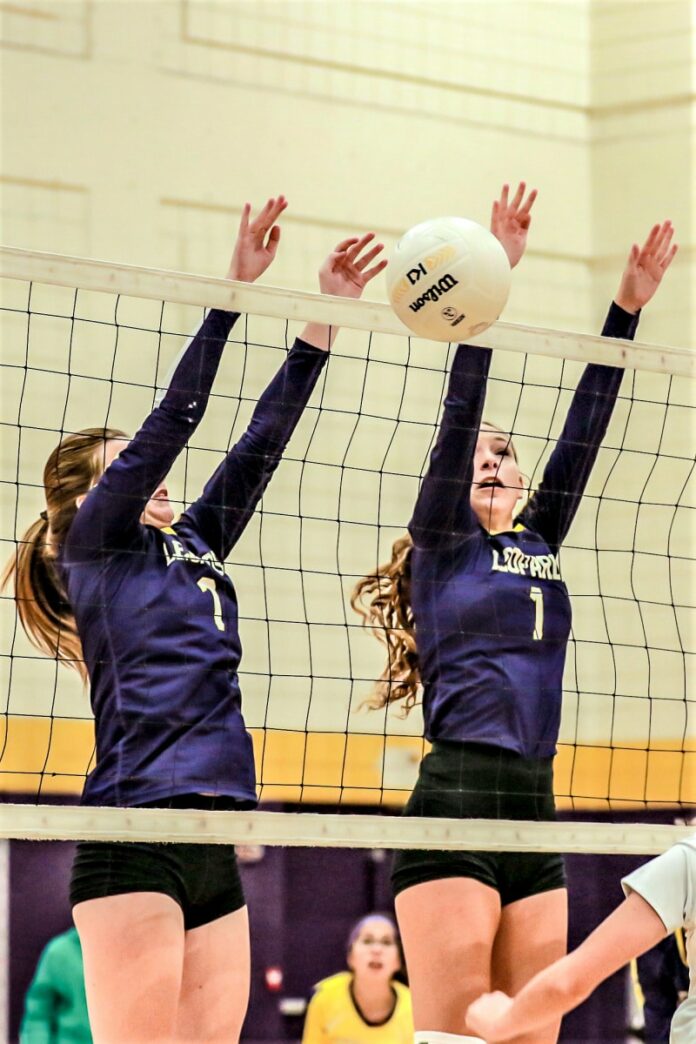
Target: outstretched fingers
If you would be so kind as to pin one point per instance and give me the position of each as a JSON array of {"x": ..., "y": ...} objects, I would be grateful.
[
  {"x": 362, "y": 262},
  {"x": 353, "y": 251},
  {"x": 529, "y": 202},
  {"x": 344, "y": 244},
  {"x": 244, "y": 220},
  {"x": 664, "y": 248},
  {"x": 518, "y": 206},
  {"x": 375, "y": 270},
  {"x": 267, "y": 217},
  {"x": 519, "y": 196},
  {"x": 649, "y": 244},
  {"x": 273, "y": 240},
  {"x": 658, "y": 248}
]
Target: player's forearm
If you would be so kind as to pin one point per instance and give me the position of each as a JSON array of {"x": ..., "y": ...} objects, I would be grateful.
[
  {"x": 319, "y": 335},
  {"x": 544, "y": 1000},
  {"x": 191, "y": 382},
  {"x": 443, "y": 502}
]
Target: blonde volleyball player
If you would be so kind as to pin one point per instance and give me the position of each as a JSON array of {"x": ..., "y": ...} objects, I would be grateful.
[
  {"x": 473, "y": 606},
  {"x": 108, "y": 583},
  {"x": 660, "y": 897}
]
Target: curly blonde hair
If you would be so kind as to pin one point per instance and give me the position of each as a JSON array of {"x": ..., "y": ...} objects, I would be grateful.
[{"x": 383, "y": 600}]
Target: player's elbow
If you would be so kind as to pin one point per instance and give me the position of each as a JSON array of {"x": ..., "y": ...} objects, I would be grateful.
[{"x": 573, "y": 984}]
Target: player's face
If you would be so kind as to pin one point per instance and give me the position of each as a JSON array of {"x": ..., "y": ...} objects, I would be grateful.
[
  {"x": 158, "y": 511},
  {"x": 498, "y": 482},
  {"x": 375, "y": 952}
]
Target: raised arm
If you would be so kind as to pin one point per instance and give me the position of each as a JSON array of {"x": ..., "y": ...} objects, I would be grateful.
[
  {"x": 443, "y": 514},
  {"x": 229, "y": 499},
  {"x": 109, "y": 516},
  {"x": 552, "y": 508}
]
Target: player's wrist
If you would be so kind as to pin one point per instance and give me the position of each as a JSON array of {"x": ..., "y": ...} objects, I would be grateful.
[
  {"x": 628, "y": 304},
  {"x": 239, "y": 276}
]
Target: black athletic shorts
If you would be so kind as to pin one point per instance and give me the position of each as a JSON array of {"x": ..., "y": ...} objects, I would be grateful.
[
  {"x": 476, "y": 781},
  {"x": 203, "y": 879}
]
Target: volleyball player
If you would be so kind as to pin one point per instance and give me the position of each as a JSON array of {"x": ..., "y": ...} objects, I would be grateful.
[
  {"x": 473, "y": 606},
  {"x": 105, "y": 574},
  {"x": 660, "y": 898},
  {"x": 364, "y": 1005}
]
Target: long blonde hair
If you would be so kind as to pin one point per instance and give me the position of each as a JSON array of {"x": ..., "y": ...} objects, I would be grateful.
[
  {"x": 383, "y": 601},
  {"x": 44, "y": 612}
]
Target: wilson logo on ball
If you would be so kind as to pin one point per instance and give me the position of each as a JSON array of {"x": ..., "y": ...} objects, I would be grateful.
[
  {"x": 423, "y": 268},
  {"x": 448, "y": 282}
]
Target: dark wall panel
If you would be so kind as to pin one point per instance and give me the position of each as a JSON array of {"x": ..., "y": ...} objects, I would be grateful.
[{"x": 302, "y": 903}]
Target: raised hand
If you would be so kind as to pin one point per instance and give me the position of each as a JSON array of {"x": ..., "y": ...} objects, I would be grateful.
[
  {"x": 257, "y": 241},
  {"x": 645, "y": 268},
  {"x": 510, "y": 221},
  {"x": 345, "y": 272},
  {"x": 485, "y": 1016}
]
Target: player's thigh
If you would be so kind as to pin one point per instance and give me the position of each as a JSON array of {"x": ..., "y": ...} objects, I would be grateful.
[
  {"x": 133, "y": 954},
  {"x": 533, "y": 933},
  {"x": 215, "y": 985},
  {"x": 447, "y": 929}
]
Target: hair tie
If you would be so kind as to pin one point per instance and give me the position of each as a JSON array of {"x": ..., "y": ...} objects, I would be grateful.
[{"x": 43, "y": 515}]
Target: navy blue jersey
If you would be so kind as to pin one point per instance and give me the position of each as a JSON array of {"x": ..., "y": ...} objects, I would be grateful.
[
  {"x": 492, "y": 614},
  {"x": 155, "y": 611}
]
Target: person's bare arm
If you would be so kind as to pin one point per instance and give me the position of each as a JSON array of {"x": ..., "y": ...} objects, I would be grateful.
[{"x": 629, "y": 931}]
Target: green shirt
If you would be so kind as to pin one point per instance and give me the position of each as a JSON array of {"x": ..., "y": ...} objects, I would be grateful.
[{"x": 55, "y": 1007}]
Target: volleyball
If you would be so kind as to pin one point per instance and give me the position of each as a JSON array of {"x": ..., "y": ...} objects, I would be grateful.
[{"x": 448, "y": 279}]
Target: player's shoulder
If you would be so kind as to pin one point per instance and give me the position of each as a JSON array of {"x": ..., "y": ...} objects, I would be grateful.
[
  {"x": 403, "y": 994},
  {"x": 333, "y": 985},
  {"x": 57, "y": 947}
]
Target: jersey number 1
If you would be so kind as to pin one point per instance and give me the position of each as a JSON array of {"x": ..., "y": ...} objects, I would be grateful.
[
  {"x": 206, "y": 583},
  {"x": 537, "y": 596}
]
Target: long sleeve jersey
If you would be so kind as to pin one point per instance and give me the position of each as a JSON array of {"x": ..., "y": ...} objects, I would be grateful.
[
  {"x": 492, "y": 614},
  {"x": 156, "y": 613}
]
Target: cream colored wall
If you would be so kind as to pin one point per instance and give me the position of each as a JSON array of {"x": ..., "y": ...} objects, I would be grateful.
[{"x": 133, "y": 132}]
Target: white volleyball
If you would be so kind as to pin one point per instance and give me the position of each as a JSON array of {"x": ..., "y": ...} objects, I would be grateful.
[{"x": 448, "y": 279}]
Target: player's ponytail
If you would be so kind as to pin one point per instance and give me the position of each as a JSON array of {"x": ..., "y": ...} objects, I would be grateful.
[
  {"x": 383, "y": 600},
  {"x": 44, "y": 611}
]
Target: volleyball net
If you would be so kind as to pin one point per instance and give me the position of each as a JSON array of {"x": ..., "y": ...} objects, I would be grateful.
[{"x": 88, "y": 344}]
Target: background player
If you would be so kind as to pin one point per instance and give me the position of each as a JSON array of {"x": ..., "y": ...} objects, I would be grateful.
[
  {"x": 105, "y": 574},
  {"x": 661, "y": 897},
  {"x": 365, "y": 1003},
  {"x": 473, "y": 605},
  {"x": 55, "y": 1005}
]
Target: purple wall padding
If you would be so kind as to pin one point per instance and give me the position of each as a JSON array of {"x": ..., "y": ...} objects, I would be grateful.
[
  {"x": 302, "y": 903},
  {"x": 39, "y": 874}
]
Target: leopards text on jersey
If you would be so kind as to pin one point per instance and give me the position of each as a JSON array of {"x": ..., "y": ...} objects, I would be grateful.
[
  {"x": 492, "y": 614},
  {"x": 156, "y": 614}
]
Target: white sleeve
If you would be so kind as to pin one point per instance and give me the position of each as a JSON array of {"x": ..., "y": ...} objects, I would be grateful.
[{"x": 668, "y": 884}]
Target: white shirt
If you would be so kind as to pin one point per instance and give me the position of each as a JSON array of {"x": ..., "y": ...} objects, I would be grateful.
[{"x": 668, "y": 884}]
